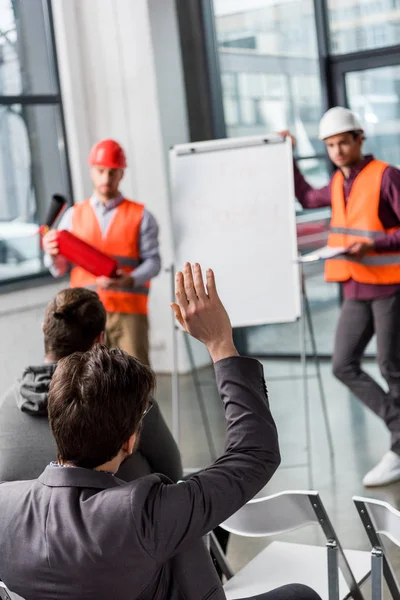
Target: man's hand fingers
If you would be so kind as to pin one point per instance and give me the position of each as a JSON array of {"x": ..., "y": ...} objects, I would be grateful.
[
  {"x": 198, "y": 282},
  {"x": 177, "y": 313},
  {"x": 104, "y": 282},
  {"x": 354, "y": 248},
  {"x": 189, "y": 283},
  {"x": 211, "y": 286},
  {"x": 180, "y": 290}
]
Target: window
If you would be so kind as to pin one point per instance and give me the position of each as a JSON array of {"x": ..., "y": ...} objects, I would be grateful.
[
  {"x": 363, "y": 24},
  {"x": 32, "y": 156},
  {"x": 277, "y": 76},
  {"x": 374, "y": 94}
]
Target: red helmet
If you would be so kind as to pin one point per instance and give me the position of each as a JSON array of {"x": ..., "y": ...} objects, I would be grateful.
[{"x": 107, "y": 153}]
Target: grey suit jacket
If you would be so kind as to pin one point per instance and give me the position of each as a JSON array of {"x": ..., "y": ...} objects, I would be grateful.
[{"x": 81, "y": 534}]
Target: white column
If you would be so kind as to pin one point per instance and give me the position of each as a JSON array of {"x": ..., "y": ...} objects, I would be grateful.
[{"x": 121, "y": 77}]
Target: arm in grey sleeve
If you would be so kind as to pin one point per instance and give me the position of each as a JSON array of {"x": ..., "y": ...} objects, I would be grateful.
[
  {"x": 59, "y": 266},
  {"x": 149, "y": 251},
  {"x": 183, "y": 512}
]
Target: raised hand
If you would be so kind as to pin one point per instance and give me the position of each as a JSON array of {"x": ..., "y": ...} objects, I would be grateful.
[
  {"x": 201, "y": 313},
  {"x": 289, "y": 135}
]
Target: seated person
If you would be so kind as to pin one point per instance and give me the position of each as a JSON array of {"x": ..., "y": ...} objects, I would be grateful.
[
  {"x": 78, "y": 532},
  {"x": 74, "y": 321}
]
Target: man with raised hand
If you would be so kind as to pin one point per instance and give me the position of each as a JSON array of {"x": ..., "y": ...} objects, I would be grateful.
[{"x": 79, "y": 532}]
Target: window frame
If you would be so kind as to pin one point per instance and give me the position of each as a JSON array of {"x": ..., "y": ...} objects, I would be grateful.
[{"x": 52, "y": 99}]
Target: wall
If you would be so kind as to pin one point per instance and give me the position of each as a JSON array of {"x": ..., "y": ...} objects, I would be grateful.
[
  {"x": 21, "y": 316},
  {"x": 121, "y": 77}
]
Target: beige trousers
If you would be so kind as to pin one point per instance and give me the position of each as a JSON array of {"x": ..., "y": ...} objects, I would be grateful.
[{"x": 130, "y": 333}]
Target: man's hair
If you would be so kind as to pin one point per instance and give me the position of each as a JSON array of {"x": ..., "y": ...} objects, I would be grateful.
[
  {"x": 356, "y": 133},
  {"x": 72, "y": 322},
  {"x": 96, "y": 402}
]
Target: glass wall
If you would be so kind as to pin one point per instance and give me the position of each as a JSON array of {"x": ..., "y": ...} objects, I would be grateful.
[{"x": 32, "y": 151}]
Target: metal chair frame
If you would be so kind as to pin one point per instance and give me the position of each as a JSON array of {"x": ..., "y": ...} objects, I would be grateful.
[
  {"x": 380, "y": 566},
  {"x": 336, "y": 558}
]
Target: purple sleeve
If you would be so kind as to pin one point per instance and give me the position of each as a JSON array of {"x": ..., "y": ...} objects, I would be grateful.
[
  {"x": 308, "y": 196},
  {"x": 390, "y": 197}
]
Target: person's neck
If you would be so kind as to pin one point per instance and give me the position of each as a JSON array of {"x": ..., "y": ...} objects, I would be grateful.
[
  {"x": 347, "y": 169},
  {"x": 104, "y": 200},
  {"x": 111, "y": 466},
  {"x": 49, "y": 358}
]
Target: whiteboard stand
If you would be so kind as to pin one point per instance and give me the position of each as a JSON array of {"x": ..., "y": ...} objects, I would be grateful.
[{"x": 306, "y": 321}]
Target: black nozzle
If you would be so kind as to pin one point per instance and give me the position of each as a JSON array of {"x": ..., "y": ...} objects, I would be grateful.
[{"x": 57, "y": 204}]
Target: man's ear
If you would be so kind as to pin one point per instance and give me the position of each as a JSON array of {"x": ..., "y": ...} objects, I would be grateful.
[
  {"x": 99, "y": 339},
  {"x": 129, "y": 445},
  {"x": 42, "y": 326}
]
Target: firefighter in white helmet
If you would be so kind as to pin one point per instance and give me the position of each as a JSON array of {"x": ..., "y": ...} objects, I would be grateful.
[{"x": 365, "y": 197}]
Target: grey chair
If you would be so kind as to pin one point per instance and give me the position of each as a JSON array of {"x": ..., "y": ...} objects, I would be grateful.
[
  {"x": 332, "y": 572},
  {"x": 5, "y": 593},
  {"x": 380, "y": 519}
]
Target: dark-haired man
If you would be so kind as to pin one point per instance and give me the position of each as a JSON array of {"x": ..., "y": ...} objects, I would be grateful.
[
  {"x": 79, "y": 533},
  {"x": 365, "y": 197},
  {"x": 74, "y": 320}
]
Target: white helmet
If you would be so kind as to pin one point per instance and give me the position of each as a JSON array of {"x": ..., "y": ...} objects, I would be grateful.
[{"x": 338, "y": 120}]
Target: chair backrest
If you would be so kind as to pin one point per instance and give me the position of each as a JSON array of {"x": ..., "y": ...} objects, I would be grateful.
[
  {"x": 379, "y": 518},
  {"x": 271, "y": 515},
  {"x": 385, "y": 518},
  {"x": 286, "y": 511}
]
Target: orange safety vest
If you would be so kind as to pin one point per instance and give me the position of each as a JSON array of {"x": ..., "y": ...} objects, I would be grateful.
[
  {"x": 358, "y": 220},
  {"x": 121, "y": 241}
]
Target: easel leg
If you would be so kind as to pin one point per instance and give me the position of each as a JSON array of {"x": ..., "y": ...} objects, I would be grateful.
[
  {"x": 200, "y": 400},
  {"x": 306, "y": 396},
  {"x": 175, "y": 370},
  {"x": 307, "y": 313}
]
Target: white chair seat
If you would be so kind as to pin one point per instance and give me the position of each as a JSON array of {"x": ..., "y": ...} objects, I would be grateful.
[{"x": 281, "y": 563}]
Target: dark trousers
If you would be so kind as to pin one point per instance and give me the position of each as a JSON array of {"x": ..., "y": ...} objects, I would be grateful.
[
  {"x": 359, "y": 320},
  {"x": 293, "y": 591}
]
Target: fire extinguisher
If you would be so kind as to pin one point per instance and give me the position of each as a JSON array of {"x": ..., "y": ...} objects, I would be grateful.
[{"x": 75, "y": 250}]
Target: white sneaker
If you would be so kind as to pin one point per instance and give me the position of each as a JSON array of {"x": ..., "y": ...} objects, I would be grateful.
[{"x": 385, "y": 472}]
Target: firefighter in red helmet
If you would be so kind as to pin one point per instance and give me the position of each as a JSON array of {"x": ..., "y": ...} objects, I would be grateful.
[{"x": 123, "y": 229}]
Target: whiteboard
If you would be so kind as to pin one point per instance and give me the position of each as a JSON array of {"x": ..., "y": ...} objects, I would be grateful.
[{"x": 233, "y": 209}]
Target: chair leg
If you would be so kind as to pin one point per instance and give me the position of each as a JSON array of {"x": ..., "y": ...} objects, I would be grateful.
[
  {"x": 220, "y": 556},
  {"x": 376, "y": 573},
  {"x": 333, "y": 570}
]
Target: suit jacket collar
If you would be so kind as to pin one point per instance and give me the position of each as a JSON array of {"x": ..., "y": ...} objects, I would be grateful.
[{"x": 78, "y": 477}]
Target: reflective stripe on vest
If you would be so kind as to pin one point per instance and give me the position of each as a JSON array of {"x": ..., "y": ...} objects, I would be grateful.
[
  {"x": 136, "y": 290},
  {"x": 356, "y": 232},
  {"x": 373, "y": 259},
  {"x": 120, "y": 241},
  {"x": 358, "y": 220}
]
